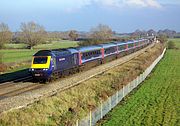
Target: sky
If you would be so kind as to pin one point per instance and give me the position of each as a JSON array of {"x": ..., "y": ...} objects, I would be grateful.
[{"x": 82, "y": 15}]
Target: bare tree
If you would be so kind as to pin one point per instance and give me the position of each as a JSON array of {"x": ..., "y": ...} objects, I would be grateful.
[
  {"x": 73, "y": 35},
  {"x": 101, "y": 32},
  {"x": 32, "y": 33},
  {"x": 163, "y": 38},
  {"x": 5, "y": 34}
]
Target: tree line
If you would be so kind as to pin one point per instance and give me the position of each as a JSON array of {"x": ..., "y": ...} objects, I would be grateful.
[{"x": 33, "y": 34}]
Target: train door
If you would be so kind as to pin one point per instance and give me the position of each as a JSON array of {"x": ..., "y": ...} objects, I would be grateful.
[
  {"x": 54, "y": 63},
  {"x": 75, "y": 59}
]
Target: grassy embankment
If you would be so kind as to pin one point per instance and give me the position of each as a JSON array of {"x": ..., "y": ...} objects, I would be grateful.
[
  {"x": 66, "y": 107},
  {"x": 157, "y": 101},
  {"x": 16, "y": 54}
]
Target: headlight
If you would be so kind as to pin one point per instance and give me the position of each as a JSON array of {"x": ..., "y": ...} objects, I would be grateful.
[
  {"x": 32, "y": 69},
  {"x": 45, "y": 69}
]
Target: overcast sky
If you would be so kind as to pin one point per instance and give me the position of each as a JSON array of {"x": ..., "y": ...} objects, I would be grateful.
[{"x": 82, "y": 15}]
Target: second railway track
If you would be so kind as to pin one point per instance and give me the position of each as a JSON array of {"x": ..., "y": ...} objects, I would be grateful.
[
  {"x": 18, "y": 91},
  {"x": 11, "y": 83}
]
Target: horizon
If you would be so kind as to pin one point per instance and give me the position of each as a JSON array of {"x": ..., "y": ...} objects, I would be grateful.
[{"x": 123, "y": 16}]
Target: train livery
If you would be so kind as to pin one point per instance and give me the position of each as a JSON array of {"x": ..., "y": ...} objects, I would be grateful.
[{"x": 48, "y": 64}]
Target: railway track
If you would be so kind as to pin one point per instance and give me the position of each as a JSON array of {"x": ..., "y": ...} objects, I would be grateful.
[
  {"x": 16, "y": 87},
  {"x": 10, "y": 83},
  {"x": 19, "y": 91},
  {"x": 38, "y": 91}
]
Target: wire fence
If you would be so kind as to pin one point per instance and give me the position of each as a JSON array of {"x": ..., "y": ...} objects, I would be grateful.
[{"x": 112, "y": 101}]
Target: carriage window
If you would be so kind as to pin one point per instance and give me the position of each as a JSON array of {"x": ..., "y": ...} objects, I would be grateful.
[
  {"x": 110, "y": 50},
  {"x": 130, "y": 45},
  {"x": 122, "y": 47},
  {"x": 137, "y": 43},
  {"x": 88, "y": 55}
]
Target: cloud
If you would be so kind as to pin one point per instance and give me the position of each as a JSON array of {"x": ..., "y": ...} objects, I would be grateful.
[
  {"x": 134, "y": 3},
  {"x": 115, "y": 3},
  {"x": 109, "y": 3},
  {"x": 73, "y": 5}
]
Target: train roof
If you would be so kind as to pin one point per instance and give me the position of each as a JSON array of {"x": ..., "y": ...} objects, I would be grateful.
[
  {"x": 88, "y": 48},
  {"x": 107, "y": 45},
  {"x": 129, "y": 42},
  {"x": 43, "y": 53},
  {"x": 136, "y": 40},
  {"x": 120, "y": 43},
  {"x": 63, "y": 52},
  {"x": 57, "y": 52}
]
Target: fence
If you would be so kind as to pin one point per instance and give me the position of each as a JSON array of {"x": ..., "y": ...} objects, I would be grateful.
[{"x": 112, "y": 101}]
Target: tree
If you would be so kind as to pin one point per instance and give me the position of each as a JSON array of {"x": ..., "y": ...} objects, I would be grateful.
[
  {"x": 162, "y": 38},
  {"x": 73, "y": 35},
  {"x": 167, "y": 32},
  {"x": 32, "y": 33},
  {"x": 101, "y": 32},
  {"x": 5, "y": 34},
  {"x": 151, "y": 32}
]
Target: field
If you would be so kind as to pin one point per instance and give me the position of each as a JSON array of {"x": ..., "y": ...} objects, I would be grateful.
[
  {"x": 12, "y": 54},
  {"x": 176, "y": 40},
  {"x": 16, "y": 57},
  {"x": 157, "y": 100}
]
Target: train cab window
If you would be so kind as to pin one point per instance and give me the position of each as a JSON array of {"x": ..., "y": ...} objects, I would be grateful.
[{"x": 40, "y": 60}]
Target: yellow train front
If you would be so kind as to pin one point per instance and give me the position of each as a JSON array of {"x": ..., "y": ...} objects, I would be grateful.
[
  {"x": 41, "y": 66},
  {"x": 46, "y": 64}
]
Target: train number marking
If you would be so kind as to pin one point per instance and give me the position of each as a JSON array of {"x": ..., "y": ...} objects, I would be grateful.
[{"x": 61, "y": 59}]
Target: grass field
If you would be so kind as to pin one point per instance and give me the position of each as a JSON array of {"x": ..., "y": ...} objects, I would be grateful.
[
  {"x": 13, "y": 54},
  {"x": 176, "y": 40},
  {"x": 156, "y": 102}
]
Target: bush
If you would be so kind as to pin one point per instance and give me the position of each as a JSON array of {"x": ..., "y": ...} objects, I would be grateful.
[
  {"x": 162, "y": 38},
  {"x": 3, "y": 67},
  {"x": 89, "y": 42},
  {"x": 171, "y": 45}
]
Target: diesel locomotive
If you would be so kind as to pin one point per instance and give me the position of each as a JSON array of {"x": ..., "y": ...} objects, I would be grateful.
[{"x": 48, "y": 64}]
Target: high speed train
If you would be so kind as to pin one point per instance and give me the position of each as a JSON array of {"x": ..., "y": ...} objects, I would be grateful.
[{"x": 48, "y": 64}]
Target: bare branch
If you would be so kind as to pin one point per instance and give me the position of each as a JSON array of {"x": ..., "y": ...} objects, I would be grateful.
[
  {"x": 33, "y": 33},
  {"x": 5, "y": 34}
]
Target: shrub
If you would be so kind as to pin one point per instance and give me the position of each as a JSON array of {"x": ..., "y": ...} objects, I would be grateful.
[
  {"x": 171, "y": 45},
  {"x": 3, "y": 67}
]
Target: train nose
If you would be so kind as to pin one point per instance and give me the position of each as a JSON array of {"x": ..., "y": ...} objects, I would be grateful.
[{"x": 41, "y": 73}]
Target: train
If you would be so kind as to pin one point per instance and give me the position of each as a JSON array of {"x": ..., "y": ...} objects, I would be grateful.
[{"x": 52, "y": 64}]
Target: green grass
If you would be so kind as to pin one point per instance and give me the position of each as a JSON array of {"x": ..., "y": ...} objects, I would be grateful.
[
  {"x": 15, "y": 46},
  {"x": 156, "y": 102},
  {"x": 176, "y": 40},
  {"x": 18, "y": 55},
  {"x": 57, "y": 44}
]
